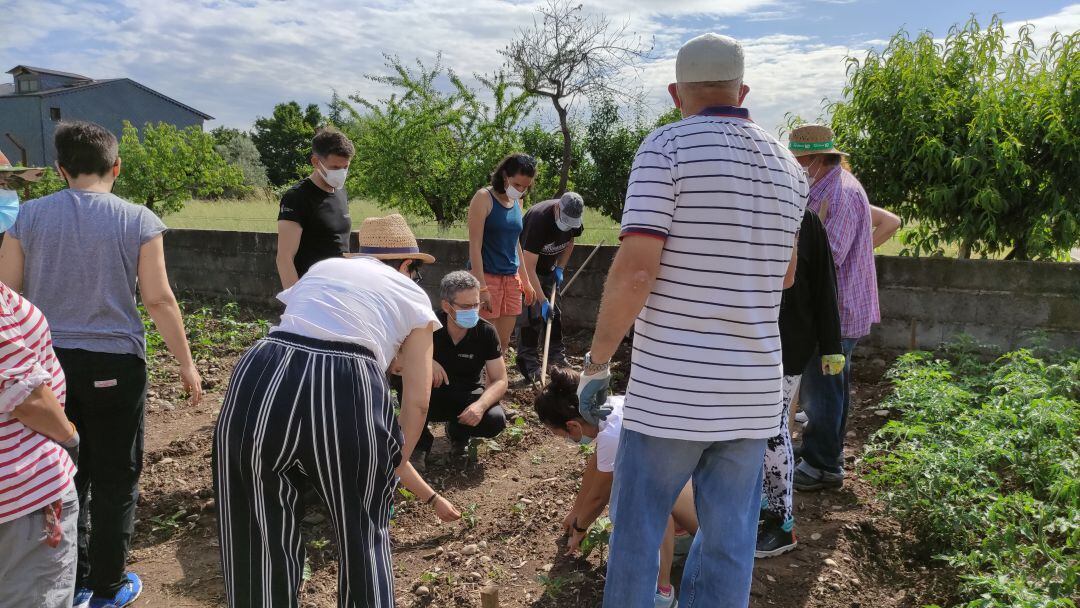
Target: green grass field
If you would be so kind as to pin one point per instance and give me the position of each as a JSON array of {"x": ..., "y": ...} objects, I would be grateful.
[{"x": 261, "y": 216}]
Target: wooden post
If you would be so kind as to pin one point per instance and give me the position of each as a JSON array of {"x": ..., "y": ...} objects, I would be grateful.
[{"x": 489, "y": 597}]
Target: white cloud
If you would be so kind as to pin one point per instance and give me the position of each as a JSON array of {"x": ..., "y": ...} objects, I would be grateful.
[{"x": 236, "y": 58}]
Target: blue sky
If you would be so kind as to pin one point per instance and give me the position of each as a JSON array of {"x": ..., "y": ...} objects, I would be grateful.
[{"x": 235, "y": 59}]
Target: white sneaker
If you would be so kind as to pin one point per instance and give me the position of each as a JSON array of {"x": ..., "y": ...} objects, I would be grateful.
[
  {"x": 665, "y": 601},
  {"x": 801, "y": 418}
]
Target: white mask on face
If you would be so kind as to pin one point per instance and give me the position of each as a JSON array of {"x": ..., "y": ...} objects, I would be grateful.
[
  {"x": 335, "y": 178},
  {"x": 810, "y": 178},
  {"x": 513, "y": 193}
]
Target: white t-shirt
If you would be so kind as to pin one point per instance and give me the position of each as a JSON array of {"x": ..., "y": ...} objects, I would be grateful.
[
  {"x": 727, "y": 199},
  {"x": 357, "y": 300},
  {"x": 607, "y": 439}
]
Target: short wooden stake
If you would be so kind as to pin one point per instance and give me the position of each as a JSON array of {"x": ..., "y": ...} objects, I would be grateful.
[{"x": 489, "y": 597}]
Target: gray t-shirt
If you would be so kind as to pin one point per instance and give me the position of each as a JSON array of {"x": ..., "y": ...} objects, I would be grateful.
[{"x": 82, "y": 261}]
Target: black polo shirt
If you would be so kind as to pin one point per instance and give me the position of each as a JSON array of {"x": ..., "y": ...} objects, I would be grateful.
[
  {"x": 465, "y": 360},
  {"x": 324, "y": 218}
]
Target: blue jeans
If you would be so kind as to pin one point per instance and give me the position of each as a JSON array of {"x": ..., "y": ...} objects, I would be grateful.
[
  {"x": 826, "y": 401},
  {"x": 649, "y": 473}
]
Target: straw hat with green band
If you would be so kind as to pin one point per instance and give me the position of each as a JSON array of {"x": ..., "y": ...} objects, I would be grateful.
[
  {"x": 812, "y": 139},
  {"x": 29, "y": 174}
]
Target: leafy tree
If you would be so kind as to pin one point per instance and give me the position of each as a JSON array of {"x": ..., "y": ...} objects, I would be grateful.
[
  {"x": 284, "y": 140},
  {"x": 170, "y": 165},
  {"x": 237, "y": 148},
  {"x": 976, "y": 138},
  {"x": 427, "y": 149},
  {"x": 547, "y": 147},
  {"x": 569, "y": 54},
  {"x": 611, "y": 143},
  {"x": 49, "y": 183}
]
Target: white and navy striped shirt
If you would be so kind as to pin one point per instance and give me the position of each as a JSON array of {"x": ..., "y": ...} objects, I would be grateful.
[{"x": 727, "y": 199}]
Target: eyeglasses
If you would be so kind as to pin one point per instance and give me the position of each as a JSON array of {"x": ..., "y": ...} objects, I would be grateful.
[
  {"x": 464, "y": 306},
  {"x": 414, "y": 270}
]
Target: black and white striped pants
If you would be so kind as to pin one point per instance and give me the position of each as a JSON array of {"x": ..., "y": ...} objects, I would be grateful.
[{"x": 300, "y": 408}]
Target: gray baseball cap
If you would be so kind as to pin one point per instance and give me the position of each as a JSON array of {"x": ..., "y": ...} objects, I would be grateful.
[{"x": 571, "y": 208}]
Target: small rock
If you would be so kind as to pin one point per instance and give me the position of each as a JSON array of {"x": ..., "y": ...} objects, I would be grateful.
[
  {"x": 830, "y": 562},
  {"x": 850, "y": 434},
  {"x": 834, "y": 586},
  {"x": 208, "y": 505},
  {"x": 856, "y": 582},
  {"x": 881, "y": 412},
  {"x": 794, "y": 565},
  {"x": 470, "y": 550},
  {"x": 475, "y": 576},
  {"x": 169, "y": 407},
  {"x": 422, "y": 591},
  {"x": 560, "y": 502},
  {"x": 547, "y": 567},
  {"x": 485, "y": 560},
  {"x": 166, "y": 460},
  {"x": 526, "y": 501},
  {"x": 815, "y": 536},
  {"x": 482, "y": 545},
  {"x": 770, "y": 578},
  {"x": 439, "y": 550}
]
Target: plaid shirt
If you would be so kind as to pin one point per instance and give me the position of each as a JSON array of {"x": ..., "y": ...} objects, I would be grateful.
[{"x": 847, "y": 222}]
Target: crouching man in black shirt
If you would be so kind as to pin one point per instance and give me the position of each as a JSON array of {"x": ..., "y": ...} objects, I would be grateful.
[{"x": 464, "y": 348}]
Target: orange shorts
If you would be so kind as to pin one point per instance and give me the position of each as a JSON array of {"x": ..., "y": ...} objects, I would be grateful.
[{"x": 505, "y": 291}]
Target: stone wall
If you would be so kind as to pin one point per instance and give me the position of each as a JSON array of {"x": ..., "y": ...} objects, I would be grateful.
[{"x": 924, "y": 301}]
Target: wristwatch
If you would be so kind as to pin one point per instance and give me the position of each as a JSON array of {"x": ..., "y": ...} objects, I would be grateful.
[
  {"x": 577, "y": 528},
  {"x": 590, "y": 368}
]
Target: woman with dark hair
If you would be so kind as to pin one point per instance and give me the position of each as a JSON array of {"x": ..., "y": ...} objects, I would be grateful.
[
  {"x": 557, "y": 408},
  {"x": 495, "y": 216}
]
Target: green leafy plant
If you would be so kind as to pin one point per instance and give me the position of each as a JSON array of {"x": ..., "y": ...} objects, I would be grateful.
[
  {"x": 468, "y": 515},
  {"x": 598, "y": 536},
  {"x": 515, "y": 432},
  {"x": 983, "y": 466},
  {"x": 406, "y": 494},
  {"x": 553, "y": 585},
  {"x": 973, "y": 138}
]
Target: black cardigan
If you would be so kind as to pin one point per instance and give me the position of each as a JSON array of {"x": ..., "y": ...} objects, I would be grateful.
[{"x": 809, "y": 317}]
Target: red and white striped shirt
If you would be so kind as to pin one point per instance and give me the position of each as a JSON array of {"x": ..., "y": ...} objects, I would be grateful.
[{"x": 34, "y": 470}]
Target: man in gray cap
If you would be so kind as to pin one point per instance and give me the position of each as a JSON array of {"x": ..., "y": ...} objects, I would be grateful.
[
  {"x": 709, "y": 227},
  {"x": 547, "y": 240}
]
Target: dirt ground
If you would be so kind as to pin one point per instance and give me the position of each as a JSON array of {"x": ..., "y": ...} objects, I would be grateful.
[{"x": 851, "y": 553}]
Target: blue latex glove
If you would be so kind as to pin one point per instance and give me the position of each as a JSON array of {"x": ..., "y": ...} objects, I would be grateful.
[
  {"x": 545, "y": 310},
  {"x": 593, "y": 396},
  {"x": 558, "y": 272}
]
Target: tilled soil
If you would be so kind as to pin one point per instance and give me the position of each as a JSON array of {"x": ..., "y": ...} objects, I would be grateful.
[{"x": 851, "y": 553}]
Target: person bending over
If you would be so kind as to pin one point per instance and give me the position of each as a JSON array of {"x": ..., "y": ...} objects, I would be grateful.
[{"x": 557, "y": 408}]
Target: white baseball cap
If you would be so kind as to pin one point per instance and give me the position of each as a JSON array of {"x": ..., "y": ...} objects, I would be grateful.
[{"x": 709, "y": 58}]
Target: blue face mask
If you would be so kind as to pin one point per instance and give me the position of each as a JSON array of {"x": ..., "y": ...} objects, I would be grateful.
[
  {"x": 585, "y": 439},
  {"x": 9, "y": 209},
  {"x": 467, "y": 318}
]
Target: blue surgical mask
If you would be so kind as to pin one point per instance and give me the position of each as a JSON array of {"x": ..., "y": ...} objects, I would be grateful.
[
  {"x": 467, "y": 318},
  {"x": 585, "y": 439},
  {"x": 9, "y": 209}
]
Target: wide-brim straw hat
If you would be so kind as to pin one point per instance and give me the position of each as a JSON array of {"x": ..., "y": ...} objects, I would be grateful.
[
  {"x": 813, "y": 139},
  {"x": 29, "y": 174},
  {"x": 389, "y": 238}
]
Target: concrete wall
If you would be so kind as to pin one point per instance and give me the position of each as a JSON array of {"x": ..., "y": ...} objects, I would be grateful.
[{"x": 923, "y": 301}]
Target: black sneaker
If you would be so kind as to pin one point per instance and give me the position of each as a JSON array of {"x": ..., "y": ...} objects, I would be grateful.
[
  {"x": 419, "y": 460},
  {"x": 773, "y": 540},
  {"x": 458, "y": 449},
  {"x": 804, "y": 482}
]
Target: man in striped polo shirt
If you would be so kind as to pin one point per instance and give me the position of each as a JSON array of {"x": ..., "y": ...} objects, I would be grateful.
[{"x": 709, "y": 226}]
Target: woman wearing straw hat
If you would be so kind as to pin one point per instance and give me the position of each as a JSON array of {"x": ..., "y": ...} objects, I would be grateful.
[
  {"x": 840, "y": 201},
  {"x": 310, "y": 403}
]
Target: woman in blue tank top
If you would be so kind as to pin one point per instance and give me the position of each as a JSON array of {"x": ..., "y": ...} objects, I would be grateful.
[{"x": 495, "y": 214}]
